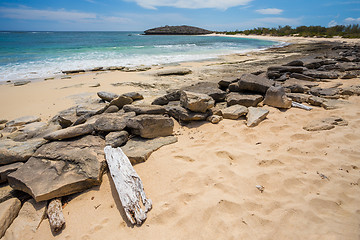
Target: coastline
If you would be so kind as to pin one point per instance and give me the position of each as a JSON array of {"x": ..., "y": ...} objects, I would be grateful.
[{"x": 204, "y": 186}]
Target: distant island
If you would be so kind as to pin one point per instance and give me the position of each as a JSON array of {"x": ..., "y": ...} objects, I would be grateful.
[{"x": 177, "y": 30}]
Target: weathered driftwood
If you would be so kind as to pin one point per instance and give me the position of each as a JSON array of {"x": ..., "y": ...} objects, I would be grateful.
[
  {"x": 55, "y": 215},
  {"x": 128, "y": 185},
  {"x": 302, "y": 106}
]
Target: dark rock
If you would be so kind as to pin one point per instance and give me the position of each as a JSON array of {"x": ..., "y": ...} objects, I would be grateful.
[
  {"x": 139, "y": 150},
  {"x": 182, "y": 114},
  {"x": 61, "y": 168},
  {"x": 331, "y": 67},
  {"x": 283, "y": 77},
  {"x": 177, "y": 30},
  {"x": 234, "y": 87},
  {"x": 196, "y": 102},
  {"x": 348, "y": 66},
  {"x": 325, "y": 124},
  {"x": 321, "y": 74},
  {"x": 255, "y": 116},
  {"x": 22, "y": 121},
  {"x": 65, "y": 118},
  {"x": 151, "y": 126},
  {"x": 112, "y": 122},
  {"x": 107, "y": 96},
  {"x": 207, "y": 88},
  {"x": 174, "y": 71},
  {"x": 282, "y": 69},
  {"x": 349, "y": 75},
  {"x": 73, "y": 71},
  {"x": 245, "y": 99},
  {"x": 90, "y": 108},
  {"x": 273, "y": 74},
  {"x": 234, "y": 112},
  {"x": 173, "y": 95},
  {"x": 254, "y": 83},
  {"x": 70, "y": 132},
  {"x": 2, "y": 121},
  {"x": 302, "y": 77},
  {"x": 121, "y": 101},
  {"x": 298, "y": 97},
  {"x": 224, "y": 83},
  {"x": 117, "y": 139},
  {"x": 304, "y": 84},
  {"x": 276, "y": 97},
  {"x": 296, "y": 63},
  {"x": 134, "y": 95},
  {"x": 7, "y": 169},
  {"x": 96, "y": 69},
  {"x": 327, "y": 92},
  {"x": 21, "y": 83},
  {"x": 144, "y": 109},
  {"x": 313, "y": 64}
]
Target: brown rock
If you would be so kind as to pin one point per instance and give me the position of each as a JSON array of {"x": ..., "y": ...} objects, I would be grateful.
[
  {"x": 121, "y": 101},
  {"x": 250, "y": 82},
  {"x": 107, "y": 96},
  {"x": 7, "y": 169},
  {"x": 255, "y": 116},
  {"x": 70, "y": 132},
  {"x": 196, "y": 102},
  {"x": 325, "y": 124},
  {"x": 22, "y": 121},
  {"x": 8, "y": 212},
  {"x": 214, "y": 119},
  {"x": 117, "y": 139},
  {"x": 234, "y": 112},
  {"x": 276, "y": 97},
  {"x": 245, "y": 99},
  {"x": 151, "y": 126},
  {"x": 144, "y": 109},
  {"x": 182, "y": 114},
  {"x": 209, "y": 88}
]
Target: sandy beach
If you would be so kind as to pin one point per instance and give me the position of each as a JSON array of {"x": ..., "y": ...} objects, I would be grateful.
[{"x": 204, "y": 186}]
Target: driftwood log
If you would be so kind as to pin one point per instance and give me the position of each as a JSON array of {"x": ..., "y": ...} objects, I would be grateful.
[
  {"x": 302, "y": 106},
  {"x": 55, "y": 215},
  {"x": 128, "y": 185}
]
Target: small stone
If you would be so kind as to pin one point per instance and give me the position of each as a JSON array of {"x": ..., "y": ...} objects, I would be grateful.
[
  {"x": 255, "y": 116},
  {"x": 21, "y": 83},
  {"x": 234, "y": 112},
  {"x": 214, "y": 119}
]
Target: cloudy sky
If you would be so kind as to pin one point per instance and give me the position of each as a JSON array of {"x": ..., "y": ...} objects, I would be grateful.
[{"x": 131, "y": 15}]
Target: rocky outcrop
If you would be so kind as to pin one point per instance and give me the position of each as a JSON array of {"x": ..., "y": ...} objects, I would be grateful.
[
  {"x": 255, "y": 116},
  {"x": 177, "y": 30},
  {"x": 276, "y": 97},
  {"x": 151, "y": 126},
  {"x": 196, "y": 102}
]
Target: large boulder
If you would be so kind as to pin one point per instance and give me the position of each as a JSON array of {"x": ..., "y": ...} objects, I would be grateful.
[
  {"x": 144, "y": 109},
  {"x": 245, "y": 99},
  {"x": 255, "y": 116},
  {"x": 151, "y": 126},
  {"x": 234, "y": 112},
  {"x": 11, "y": 151},
  {"x": 138, "y": 149},
  {"x": 196, "y": 102},
  {"x": 208, "y": 88},
  {"x": 22, "y": 121},
  {"x": 8, "y": 212},
  {"x": 70, "y": 132},
  {"x": 250, "y": 82},
  {"x": 61, "y": 168},
  {"x": 182, "y": 114},
  {"x": 276, "y": 97}
]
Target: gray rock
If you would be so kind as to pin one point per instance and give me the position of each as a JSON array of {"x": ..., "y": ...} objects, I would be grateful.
[
  {"x": 121, "y": 101},
  {"x": 351, "y": 90},
  {"x": 173, "y": 95},
  {"x": 91, "y": 108},
  {"x": 174, "y": 71},
  {"x": 134, "y": 95},
  {"x": 8, "y": 212},
  {"x": 276, "y": 97},
  {"x": 272, "y": 74},
  {"x": 245, "y": 99},
  {"x": 325, "y": 92},
  {"x": 325, "y": 124},
  {"x": 250, "y": 82},
  {"x": 302, "y": 77},
  {"x": 65, "y": 118},
  {"x": 255, "y": 116},
  {"x": 107, "y": 96},
  {"x": 34, "y": 130},
  {"x": 297, "y": 63},
  {"x": 70, "y": 132},
  {"x": 234, "y": 112},
  {"x": 22, "y": 121},
  {"x": 21, "y": 83},
  {"x": 112, "y": 122},
  {"x": 139, "y": 150},
  {"x": 11, "y": 151},
  {"x": 208, "y": 88},
  {"x": 73, "y": 71},
  {"x": 214, "y": 119},
  {"x": 61, "y": 168},
  {"x": 234, "y": 87},
  {"x": 151, "y": 126},
  {"x": 331, "y": 68},
  {"x": 144, "y": 109},
  {"x": 182, "y": 114},
  {"x": 117, "y": 139},
  {"x": 282, "y": 69},
  {"x": 28, "y": 220},
  {"x": 111, "y": 109},
  {"x": 295, "y": 87},
  {"x": 196, "y": 102},
  {"x": 321, "y": 74},
  {"x": 7, "y": 169},
  {"x": 224, "y": 83},
  {"x": 313, "y": 64},
  {"x": 298, "y": 97}
]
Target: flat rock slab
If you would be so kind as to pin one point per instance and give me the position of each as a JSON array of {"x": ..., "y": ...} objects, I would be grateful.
[
  {"x": 8, "y": 212},
  {"x": 144, "y": 109},
  {"x": 61, "y": 168},
  {"x": 28, "y": 219},
  {"x": 22, "y": 121},
  {"x": 70, "y": 132},
  {"x": 174, "y": 71},
  {"x": 327, "y": 104},
  {"x": 302, "y": 77},
  {"x": 208, "y": 88},
  {"x": 251, "y": 82},
  {"x": 244, "y": 99},
  {"x": 321, "y": 74},
  {"x": 7, "y": 169},
  {"x": 255, "y": 116},
  {"x": 325, "y": 124},
  {"x": 182, "y": 114},
  {"x": 234, "y": 112},
  {"x": 139, "y": 150},
  {"x": 11, "y": 151}
]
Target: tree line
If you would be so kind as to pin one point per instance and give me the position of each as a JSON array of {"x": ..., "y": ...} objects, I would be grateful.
[{"x": 348, "y": 31}]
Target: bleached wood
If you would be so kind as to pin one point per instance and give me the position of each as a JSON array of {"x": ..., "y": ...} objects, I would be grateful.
[
  {"x": 55, "y": 215},
  {"x": 128, "y": 185},
  {"x": 302, "y": 106}
]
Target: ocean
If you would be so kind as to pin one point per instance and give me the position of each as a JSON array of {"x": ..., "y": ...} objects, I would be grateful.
[{"x": 34, "y": 55}]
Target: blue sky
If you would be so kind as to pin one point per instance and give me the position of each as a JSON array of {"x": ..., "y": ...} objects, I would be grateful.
[{"x": 139, "y": 15}]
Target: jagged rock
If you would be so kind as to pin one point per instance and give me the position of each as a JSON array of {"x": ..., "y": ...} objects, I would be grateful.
[
  {"x": 250, "y": 82},
  {"x": 11, "y": 151},
  {"x": 196, "y": 102},
  {"x": 144, "y": 109},
  {"x": 234, "y": 112},
  {"x": 282, "y": 69},
  {"x": 70, "y": 132},
  {"x": 7, "y": 169},
  {"x": 134, "y": 95},
  {"x": 61, "y": 168},
  {"x": 245, "y": 99},
  {"x": 214, "y": 119},
  {"x": 28, "y": 220},
  {"x": 208, "y": 88},
  {"x": 151, "y": 126},
  {"x": 298, "y": 97},
  {"x": 302, "y": 77},
  {"x": 22, "y": 121},
  {"x": 234, "y": 87},
  {"x": 325, "y": 124},
  {"x": 276, "y": 97},
  {"x": 255, "y": 116},
  {"x": 117, "y": 139},
  {"x": 174, "y": 71},
  {"x": 21, "y": 83},
  {"x": 139, "y": 150},
  {"x": 107, "y": 96},
  {"x": 112, "y": 122},
  {"x": 8, "y": 212},
  {"x": 321, "y": 74},
  {"x": 173, "y": 95},
  {"x": 297, "y": 63},
  {"x": 331, "y": 67},
  {"x": 121, "y": 101},
  {"x": 182, "y": 114},
  {"x": 224, "y": 83},
  {"x": 111, "y": 109}
]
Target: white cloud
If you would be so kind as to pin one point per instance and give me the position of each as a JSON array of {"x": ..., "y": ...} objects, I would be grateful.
[
  {"x": 273, "y": 11},
  {"x": 332, "y": 23},
  {"x": 351, "y": 20},
  {"x": 192, "y": 4}
]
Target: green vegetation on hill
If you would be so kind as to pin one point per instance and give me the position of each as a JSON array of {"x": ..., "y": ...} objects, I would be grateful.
[{"x": 349, "y": 31}]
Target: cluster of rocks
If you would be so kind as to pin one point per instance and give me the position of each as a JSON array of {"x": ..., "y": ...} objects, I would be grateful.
[{"x": 112, "y": 68}]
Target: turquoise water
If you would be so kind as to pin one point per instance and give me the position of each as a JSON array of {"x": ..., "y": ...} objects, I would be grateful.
[{"x": 32, "y": 55}]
